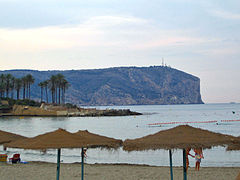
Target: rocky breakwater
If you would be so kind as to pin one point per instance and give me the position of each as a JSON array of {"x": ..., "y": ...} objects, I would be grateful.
[
  {"x": 107, "y": 112},
  {"x": 58, "y": 111}
]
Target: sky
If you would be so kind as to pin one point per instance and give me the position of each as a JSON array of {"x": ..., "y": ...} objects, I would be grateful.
[{"x": 198, "y": 37}]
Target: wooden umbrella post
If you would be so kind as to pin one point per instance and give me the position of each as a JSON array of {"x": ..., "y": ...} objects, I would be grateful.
[
  {"x": 58, "y": 163},
  {"x": 82, "y": 154},
  {"x": 170, "y": 158},
  {"x": 184, "y": 165}
]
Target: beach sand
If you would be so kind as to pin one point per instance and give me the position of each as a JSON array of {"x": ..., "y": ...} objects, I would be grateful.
[{"x": 47, "y": 171}]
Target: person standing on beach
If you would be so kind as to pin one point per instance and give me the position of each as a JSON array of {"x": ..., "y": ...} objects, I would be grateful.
[
  {"x": 188, "y": 154},
  {"x": 198, "y": 157},
  {"x": 85, "y": 152}
]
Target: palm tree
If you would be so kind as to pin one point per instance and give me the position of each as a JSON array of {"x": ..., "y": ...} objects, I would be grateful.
[
  {"x": 12, "y": 86},
  {"x": 24, "y": 83},
  {"x": 52, "y": 87},
  {"x": 41, "y": 85},
  {"x": 18, "y": 86},
  {"x": 30, "y": 80},
  {"x": 45, "y": 85},
  {"x": 2, "y": 85},
  {"x": 64, "y": 85},
  {"x": 59, "y": 78},
  {"x": 8, "y": 78},
  {"x": 2, "y": 89}
]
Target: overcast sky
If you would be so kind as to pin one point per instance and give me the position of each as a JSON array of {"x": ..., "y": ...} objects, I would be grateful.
[{"x": 199, "y": 37}]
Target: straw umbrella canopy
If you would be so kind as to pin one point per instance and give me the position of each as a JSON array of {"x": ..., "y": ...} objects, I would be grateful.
[
  {"x": 62, "y": 139},
  {"x": 180, "y": 137},
  {"x": 6, "y": 137},
  {"x": 52, "y": 140},
  {"x": 234, "y": 146},
  {"x": 95, "y": 140}
]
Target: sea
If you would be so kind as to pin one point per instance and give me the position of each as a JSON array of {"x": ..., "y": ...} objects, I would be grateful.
[{"x": 221, "y": 118}]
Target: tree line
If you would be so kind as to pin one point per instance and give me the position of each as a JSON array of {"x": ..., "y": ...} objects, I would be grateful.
[
  {"x": 9, "y": 84},
  {"x": 56, "y": 85}
]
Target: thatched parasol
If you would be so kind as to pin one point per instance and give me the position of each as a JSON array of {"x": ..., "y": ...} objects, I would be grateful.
[
  {"x": 180, "y": 137},
  {"x": 51, "y": 140},
  {"x": 95, "y": 140},
  {"x": 235, "y": 146},
  {"x": 63, "y": 139},
  {"x": 6, "y": 137}
]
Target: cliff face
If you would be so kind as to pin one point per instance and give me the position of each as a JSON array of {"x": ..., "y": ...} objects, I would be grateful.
[{"x": 125, "y": 85}]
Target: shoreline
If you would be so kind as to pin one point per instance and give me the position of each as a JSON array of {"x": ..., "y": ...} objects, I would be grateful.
[
  {"x": 129, "y": 164},
  {"x": 70, "y": 171}
]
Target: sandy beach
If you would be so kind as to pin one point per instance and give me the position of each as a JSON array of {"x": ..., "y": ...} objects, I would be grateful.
[{"x": 47, "y": 171}]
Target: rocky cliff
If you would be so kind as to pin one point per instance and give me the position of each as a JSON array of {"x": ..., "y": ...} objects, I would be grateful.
[{"x": 124, "y": 85}]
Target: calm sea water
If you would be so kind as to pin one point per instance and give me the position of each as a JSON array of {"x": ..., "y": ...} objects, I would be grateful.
[{"x": 130, "y": 127}]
